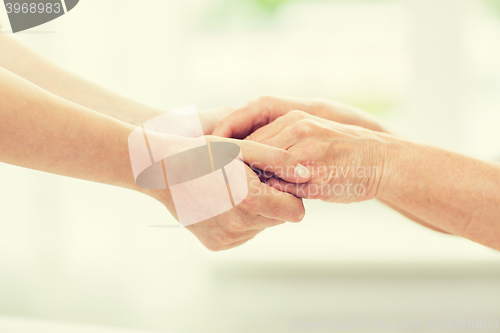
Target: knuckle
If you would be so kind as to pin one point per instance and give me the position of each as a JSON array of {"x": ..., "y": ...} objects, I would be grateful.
[
  {"x": 264, "y": 99},
  {"x": 250, "y": 200},
  {"x": 240, "y": 225},
  {"x": 297, "y": 114},
  {"x": 303, "y": 128}
]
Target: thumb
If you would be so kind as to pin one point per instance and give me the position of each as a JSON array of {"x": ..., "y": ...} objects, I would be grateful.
[
  {"x": 236, "y": 125},
  {"x": 274, "y": 160},
  {"x": 223, "y": 130}
]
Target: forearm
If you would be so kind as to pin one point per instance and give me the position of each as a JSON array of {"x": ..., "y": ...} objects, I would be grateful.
[
  {"x": 44, "y": 132},
  {"x": 24, "y": 62},
  {"x": 453, "y": 192},
  {"x": 412, "y": 217}
]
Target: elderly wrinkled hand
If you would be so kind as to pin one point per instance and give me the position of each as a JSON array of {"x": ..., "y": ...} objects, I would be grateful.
[{"x": 347, "y": 162}]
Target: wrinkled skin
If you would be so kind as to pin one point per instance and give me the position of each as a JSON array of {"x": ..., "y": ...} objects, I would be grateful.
[{"x": 346, "y": 161}]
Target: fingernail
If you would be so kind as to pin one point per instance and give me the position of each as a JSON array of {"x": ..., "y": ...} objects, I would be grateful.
[{"x": 302, "y": 171}]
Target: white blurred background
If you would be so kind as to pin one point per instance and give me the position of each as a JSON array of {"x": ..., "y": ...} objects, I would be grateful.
[{"x": 71, "y": 250}]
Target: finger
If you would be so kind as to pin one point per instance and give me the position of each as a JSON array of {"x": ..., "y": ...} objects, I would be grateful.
[
  {"x": 283, "y": 140},
  {"x": 298, "y": 190},
  {"x": 254, "y": 115},
  {"x": 275, "y": 127},
  {"x": 241, "y": 242},
  {"x": 217, "y": 246},
  {"x": 275, "y": 160},
  {"x": 270, "y": 130},
  {"x": 237, "y": 236},
  {"x": 262, "y": 222},
  {"x": 263, "y": 175},
  {"x": 281, "y": 206},
  {"x": 251, "y": 224},
  {"x": 240, "y": 123},
  {"x": 218, "y": 237}
]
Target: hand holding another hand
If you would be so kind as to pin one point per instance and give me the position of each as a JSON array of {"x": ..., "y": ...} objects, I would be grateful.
[
  {"x": 263, "y": 110},
  {"x": 347, "y": 162},
  {"x": 342, "y": 158},
  {"x": 262, "y": 208}
]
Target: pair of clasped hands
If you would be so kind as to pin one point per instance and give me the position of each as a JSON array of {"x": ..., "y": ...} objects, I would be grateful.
[
  {"x": 293, "y": 150},
  {"x": 54, "y": 121}
]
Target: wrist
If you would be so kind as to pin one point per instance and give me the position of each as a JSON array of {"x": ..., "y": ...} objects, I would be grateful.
[
  {"x": 398, "y": 159},
  {"x": 148, "y": 167}
]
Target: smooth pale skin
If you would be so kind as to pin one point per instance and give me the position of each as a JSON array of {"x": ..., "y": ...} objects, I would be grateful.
[
  {"x": 46, "y": 132},
  {"x": 22, "y": 61},
  {"x": 448, "y": 191}
]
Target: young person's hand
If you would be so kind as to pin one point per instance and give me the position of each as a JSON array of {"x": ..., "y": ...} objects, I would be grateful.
[{"x": 263, "y": 206}]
